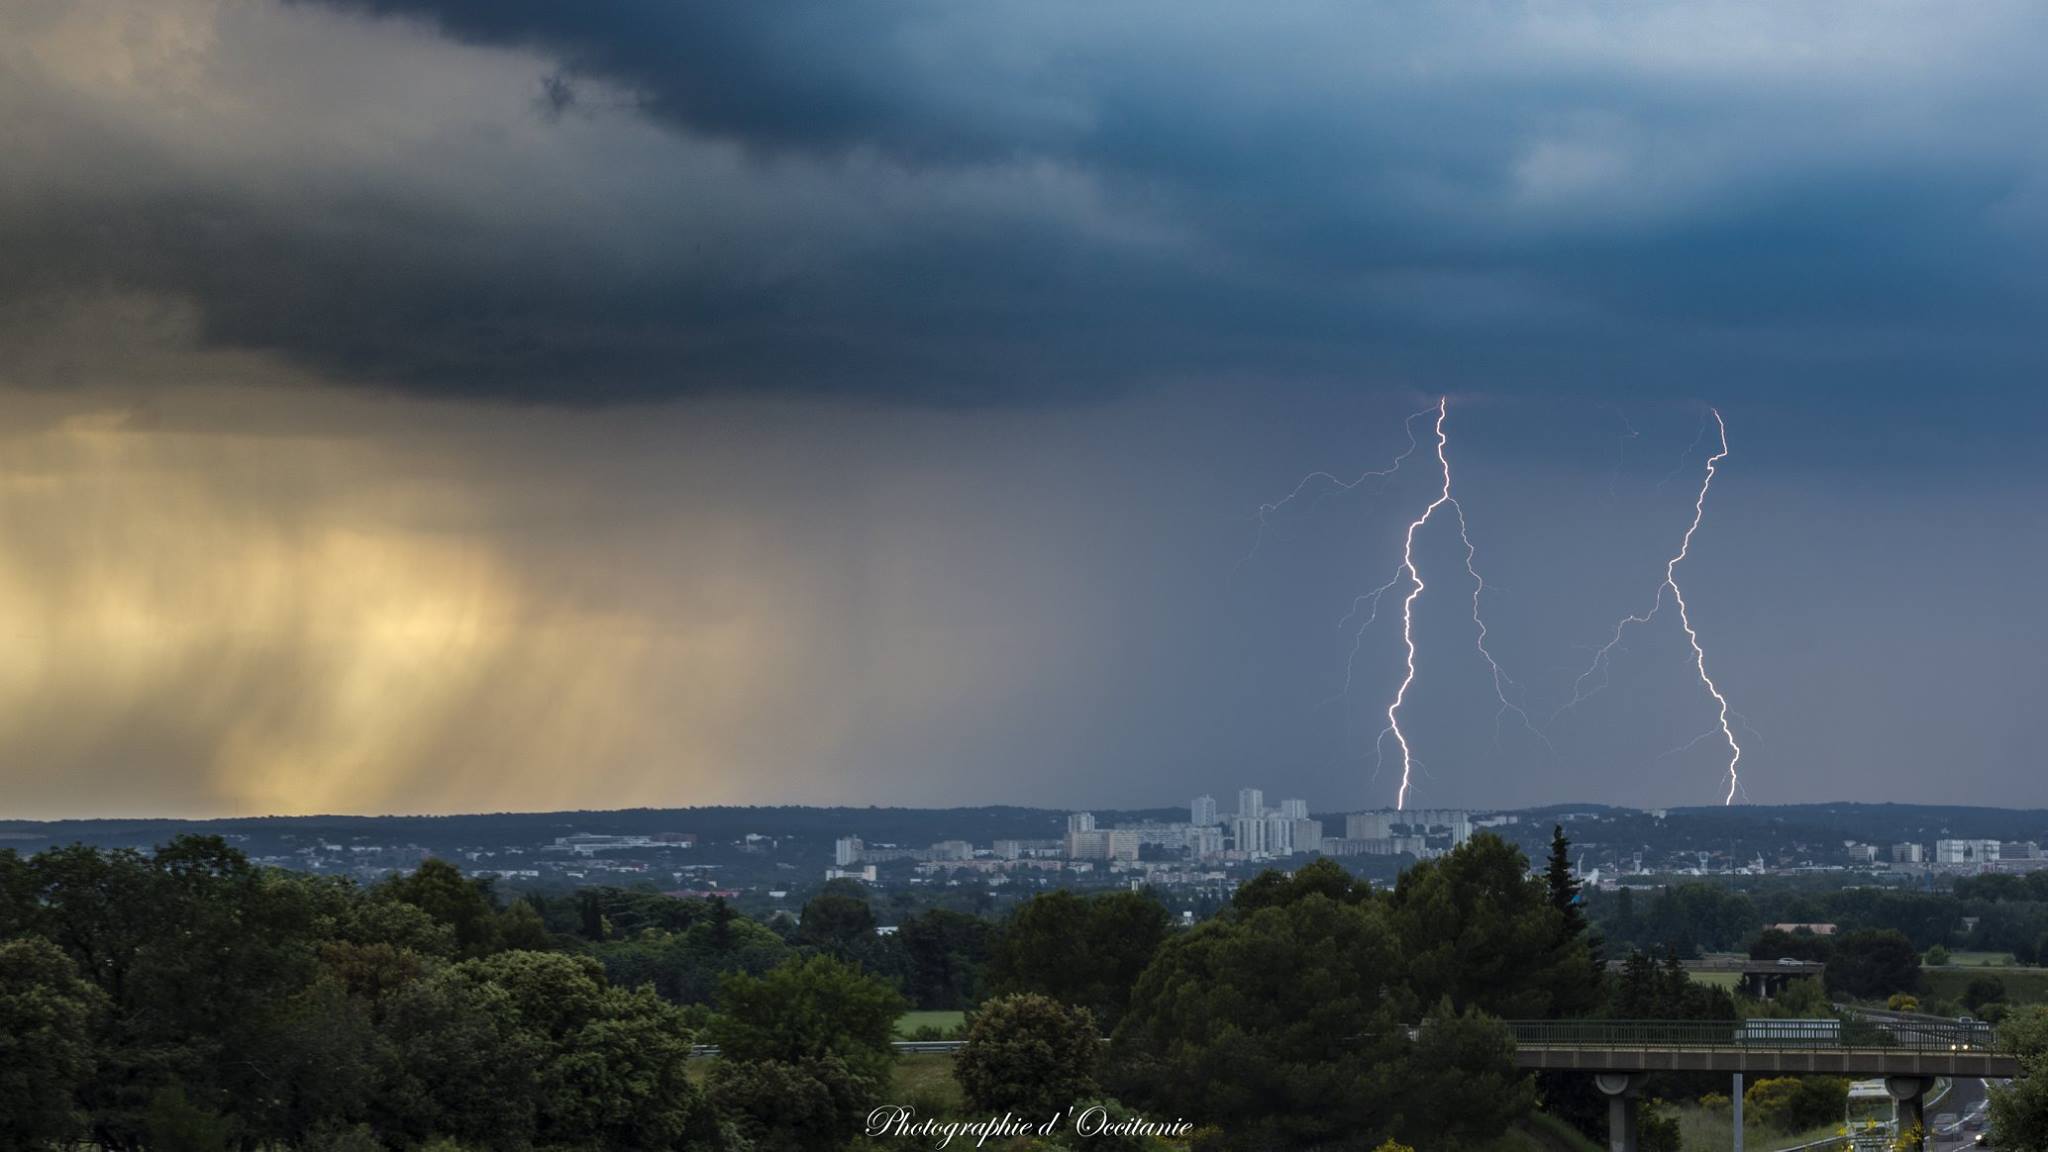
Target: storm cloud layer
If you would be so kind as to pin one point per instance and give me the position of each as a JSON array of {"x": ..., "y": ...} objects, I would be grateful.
[
  {"x": 422, "y": 404},
  {"x": 1010, "y": 202}
]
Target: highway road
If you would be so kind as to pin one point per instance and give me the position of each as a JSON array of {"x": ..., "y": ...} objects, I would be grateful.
[{"x": 1951, "y": 1119}]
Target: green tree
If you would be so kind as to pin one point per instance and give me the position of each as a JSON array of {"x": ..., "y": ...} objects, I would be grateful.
[
  {"x": 946, "y": 955},
  {"x": 1561, "y": 884},
  {"x": 804, "y": 1052},
  {"x": 536, "y": 1048},
  {"x": 1480, "y": 930},
  {"x": 838, "y": 919},
  {"x": 1464, "y": 1090},
  {"x": 466, "y": 906},
  {"x": 174, "y": 1123},
  {"x": 2019, "y": 1110},
  {"x": 1084, "y": 951},
  {"x": 809, "y": 1009},
  {"x": 47, "y": 1016},
  {"x": 811, "y": 1105},
  {"x": 1872, "y": 964},
  {"x": 1983, "y": 990},
  {"x": 1282, "y": 1025},
  {"x": 464, "y": 1066},
  {"x": 1776, "y": 944},
  {"x": 1029, "y": 1054},
  {"x": 685, "y": 967}
]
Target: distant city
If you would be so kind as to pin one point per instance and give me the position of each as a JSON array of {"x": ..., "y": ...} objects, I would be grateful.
[{"x": 769, "y": 858}]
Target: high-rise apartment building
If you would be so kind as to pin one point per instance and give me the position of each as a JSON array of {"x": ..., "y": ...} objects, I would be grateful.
[
  {"x": 1202, "y": 812},
  {"x": 1307, "y": 834},
  {"x": 846, "y": 851},
  {"x": 1080, "y": 822},
  {"x": 1251, "y": 803},
  {"x": 1294, "y": 809},
  {"x": 1279, "y": 834},
  {"x": 1248, "y": 835}
]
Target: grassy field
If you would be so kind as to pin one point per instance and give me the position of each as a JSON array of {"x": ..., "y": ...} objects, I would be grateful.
[
  {"x": 911, "y": 1021},
  {"x": 1549, "y": 1134},
  {"x": 2022, "y": 985},
  {"x": 924, "y": 1080},
  {"x": 1702, "y": 1130},
  {"x": 1981, "y": 959}
]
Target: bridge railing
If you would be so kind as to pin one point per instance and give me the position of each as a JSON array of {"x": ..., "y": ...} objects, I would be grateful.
[{"x": 1930, "y": 1036}]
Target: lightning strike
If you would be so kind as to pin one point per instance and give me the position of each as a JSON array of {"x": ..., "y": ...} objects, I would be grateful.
[
  {"x": 1600, "y": 657},
  {"x": 1413, "y": 575}
]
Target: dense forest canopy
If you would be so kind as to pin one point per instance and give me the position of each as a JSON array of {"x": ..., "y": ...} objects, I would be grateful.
[{"x": 187, "y": 999}]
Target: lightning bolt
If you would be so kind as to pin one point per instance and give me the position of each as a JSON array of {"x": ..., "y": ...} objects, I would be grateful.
[
  {"x": 1267, "y": 511},
  {"x": 1413, "y": 575},
  {"x": 1692, "y": 636}
]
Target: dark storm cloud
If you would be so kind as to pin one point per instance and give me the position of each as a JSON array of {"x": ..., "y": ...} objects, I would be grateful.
[{"x": 1026, "y": 201}]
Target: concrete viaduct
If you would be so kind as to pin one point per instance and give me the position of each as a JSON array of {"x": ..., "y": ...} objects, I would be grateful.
[{"x": 1909, "y": 1053}]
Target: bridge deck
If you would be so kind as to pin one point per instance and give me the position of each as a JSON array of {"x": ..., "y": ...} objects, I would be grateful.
[
  {"x": 1854, "y": 1062},
  {"x": 1919, "y": 1047}
]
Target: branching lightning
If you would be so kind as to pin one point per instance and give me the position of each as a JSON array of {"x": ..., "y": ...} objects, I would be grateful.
[
  {"x": 1413, "y": 575},
  {"x": 1600, "y": 658},
  {"x": 1308, "y": 482}
]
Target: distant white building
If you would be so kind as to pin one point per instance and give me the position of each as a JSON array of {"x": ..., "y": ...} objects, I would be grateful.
[
  {"x": 1368, "y": 825},
  {"x": 1203, "y": 811},
  {"x": 1204, "y": 840},
  {"x": 1248, "y": 835},
  {"x": 846, "y": 851},
  {"x": 1294, "y": 809},
  {"x": 1966, "y": 851},
  {"x": 1909, "y": 854},
  {"x": 1251, "y": 803},
  {"x": 1307, "y": 835},
  {"x": 1279, "y": 834},
  {"x": 1080, "y": 822}
]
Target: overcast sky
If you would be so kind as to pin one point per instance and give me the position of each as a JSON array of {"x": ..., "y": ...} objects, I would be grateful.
[{"x": 427, "y": 405}]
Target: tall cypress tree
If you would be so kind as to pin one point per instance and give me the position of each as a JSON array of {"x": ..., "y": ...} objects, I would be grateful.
[{"x": 1564, "y": 887}]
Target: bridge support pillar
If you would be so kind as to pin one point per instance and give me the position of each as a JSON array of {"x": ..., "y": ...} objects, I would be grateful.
[
  {"x": 1620, "y": 1088},
  {"x": 1909, "y": 1095},
  {"x": 1735, "y": 1103}
]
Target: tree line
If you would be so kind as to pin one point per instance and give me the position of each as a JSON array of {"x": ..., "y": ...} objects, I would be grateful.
[
  {"x": 2003, "y": 913},
  {"x": 186, "y": 1000}
]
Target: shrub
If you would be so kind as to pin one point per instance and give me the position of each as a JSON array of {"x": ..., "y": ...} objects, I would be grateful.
[
  {"x": 1903, "y": 1002},
  {"x": 1796, "y": 1103},
  {"x": 1982, "y": 990},
  {"x": 1937, "y": 955},
  {"x": 1656, "y": 1129}
]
